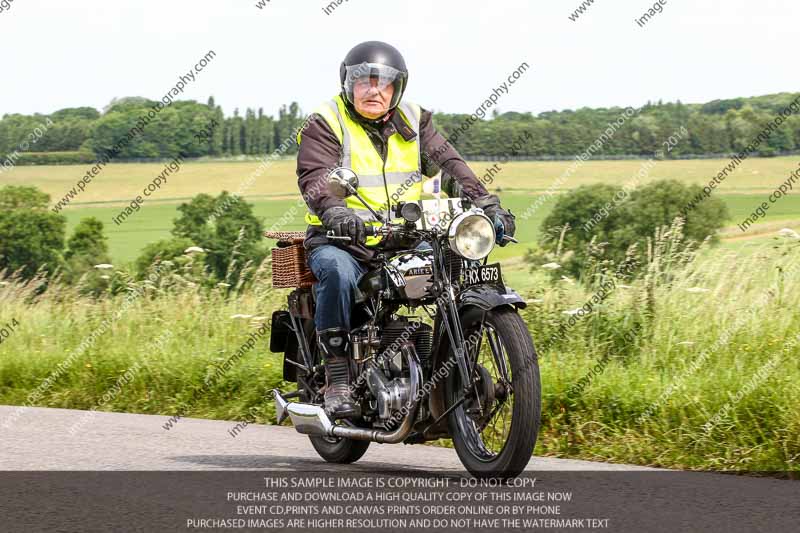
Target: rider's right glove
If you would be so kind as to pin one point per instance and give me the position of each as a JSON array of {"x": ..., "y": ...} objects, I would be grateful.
[{"x": 345, "y": 223}]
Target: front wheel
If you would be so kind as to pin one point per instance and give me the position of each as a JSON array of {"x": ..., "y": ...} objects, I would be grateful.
[{"x": 495, "y": 426}]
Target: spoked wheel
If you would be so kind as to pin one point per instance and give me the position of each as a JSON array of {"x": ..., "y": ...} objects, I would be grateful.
[
  {"x": 495, "y": 427},
  {"x": 332, "y": 449}
]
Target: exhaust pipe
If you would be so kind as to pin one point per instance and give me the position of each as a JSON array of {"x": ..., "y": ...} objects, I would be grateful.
[{"x": 310, "y": 419}]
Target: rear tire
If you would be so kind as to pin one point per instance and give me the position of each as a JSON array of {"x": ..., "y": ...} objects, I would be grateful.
[
  {"x": 522, "y": 430},
  {"x": 338, "y": 450},
  {"x": 332, "y": 449}
]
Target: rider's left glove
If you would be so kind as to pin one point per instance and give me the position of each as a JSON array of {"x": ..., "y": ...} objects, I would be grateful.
[{"x": 503, "y": 220}]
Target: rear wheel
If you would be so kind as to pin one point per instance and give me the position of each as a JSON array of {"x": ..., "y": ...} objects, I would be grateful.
[
  {"x": 338, "y": 450},
  {"x": 332, "y": 449},
  {"x": 495, "y": 427}
]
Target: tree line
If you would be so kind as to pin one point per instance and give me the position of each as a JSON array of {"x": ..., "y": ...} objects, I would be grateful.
[{"x": 717, "y": 127}]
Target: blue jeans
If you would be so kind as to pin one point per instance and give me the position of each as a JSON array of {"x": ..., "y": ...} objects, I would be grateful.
[{"x": 337, "y": 273}]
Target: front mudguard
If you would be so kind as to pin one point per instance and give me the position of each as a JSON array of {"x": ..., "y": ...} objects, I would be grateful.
[{"x": 488, "y": 297}]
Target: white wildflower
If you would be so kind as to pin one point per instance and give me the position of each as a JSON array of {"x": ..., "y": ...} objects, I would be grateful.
[
  {"x": 194, "y": 249},
  {"x": 572, "y": 312},
  {"x": 685, "y": 343},
  {"x": 103, "y": 266},
  {"x": 697, "y": 289},
  {"x": 241, "y": 316},
  {"x": 551, "y": 266},
  {"x": 787, "y": 232}
]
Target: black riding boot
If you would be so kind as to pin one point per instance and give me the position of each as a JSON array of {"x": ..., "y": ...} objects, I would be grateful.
[{"x": 334, "y": 348}]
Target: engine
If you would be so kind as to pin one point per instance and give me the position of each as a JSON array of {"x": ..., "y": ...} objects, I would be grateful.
[{"x": 388, "y": 379}]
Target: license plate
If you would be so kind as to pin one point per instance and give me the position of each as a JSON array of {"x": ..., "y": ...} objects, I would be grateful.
[{"x": 483, "y": 274}]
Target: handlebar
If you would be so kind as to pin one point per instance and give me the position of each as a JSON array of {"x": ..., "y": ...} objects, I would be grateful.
[{"x": 385, "y": 230}]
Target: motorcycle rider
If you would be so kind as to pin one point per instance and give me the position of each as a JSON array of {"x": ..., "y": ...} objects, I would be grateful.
[{"x": 390, "y": 144}]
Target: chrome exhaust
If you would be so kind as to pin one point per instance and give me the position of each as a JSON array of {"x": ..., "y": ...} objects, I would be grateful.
[{"x": 310, "y": 419}]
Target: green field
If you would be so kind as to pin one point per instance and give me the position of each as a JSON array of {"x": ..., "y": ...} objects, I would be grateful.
[{"x": 518, "y": 183}]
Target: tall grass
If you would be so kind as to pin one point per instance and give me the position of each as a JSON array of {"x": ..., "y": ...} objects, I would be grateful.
[
  {"x": 639, "y": 378},
  {"x": 636, "y": 380},
  {"x": 174, "y": 335}
]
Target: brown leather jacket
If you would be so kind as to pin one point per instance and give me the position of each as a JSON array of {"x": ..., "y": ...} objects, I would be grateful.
[{"x": 320, "y": 152}]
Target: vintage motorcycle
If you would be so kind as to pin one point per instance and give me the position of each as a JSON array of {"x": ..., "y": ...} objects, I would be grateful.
[{"x": 438, "y": 350}]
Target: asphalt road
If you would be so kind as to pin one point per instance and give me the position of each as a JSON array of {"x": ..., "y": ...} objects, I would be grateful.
[
  {"x": 44, "y": 439},
  {"x": 64, "y": 470}
]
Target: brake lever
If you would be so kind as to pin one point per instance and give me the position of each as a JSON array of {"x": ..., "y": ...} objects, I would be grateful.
[
  {"x": 510, "y": 239},
  {"x": 333, "y": 237}
]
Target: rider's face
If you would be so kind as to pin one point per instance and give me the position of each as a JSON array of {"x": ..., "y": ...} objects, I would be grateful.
[{"x": 371, "y": 101}]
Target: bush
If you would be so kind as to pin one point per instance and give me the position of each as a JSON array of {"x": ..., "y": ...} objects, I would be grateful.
[
  {"x": 31, "y": 237},
  {"x": 163, "y": 250},
  {"x": 86, "y": 248},
  {"x": 659, "y": 203},
  {"x": 55, "y": 158},
  {"x": 226, "y": 228},
  {"x": 603, "y": 222}
]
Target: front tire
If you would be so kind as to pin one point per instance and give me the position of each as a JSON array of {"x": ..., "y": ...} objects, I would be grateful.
[{"x": 489, "y": 447}]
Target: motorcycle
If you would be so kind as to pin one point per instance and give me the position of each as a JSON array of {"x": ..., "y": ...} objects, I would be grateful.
[{"x": 438, "y": 351}]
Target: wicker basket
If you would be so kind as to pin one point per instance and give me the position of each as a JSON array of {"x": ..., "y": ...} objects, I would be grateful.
[{"x": 289, "y": 267}]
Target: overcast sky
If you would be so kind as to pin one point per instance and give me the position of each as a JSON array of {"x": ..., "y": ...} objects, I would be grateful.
[{"x": 56, "y": 54}]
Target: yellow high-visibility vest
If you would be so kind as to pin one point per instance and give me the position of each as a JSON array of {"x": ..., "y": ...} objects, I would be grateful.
[{"x": 381, "y": 185}]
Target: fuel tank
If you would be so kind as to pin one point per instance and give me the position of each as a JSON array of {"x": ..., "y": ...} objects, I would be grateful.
[{"x": 416, "y": 270}]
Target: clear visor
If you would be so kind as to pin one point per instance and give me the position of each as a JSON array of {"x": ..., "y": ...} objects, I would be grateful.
[{"x": 372, "y": 76}]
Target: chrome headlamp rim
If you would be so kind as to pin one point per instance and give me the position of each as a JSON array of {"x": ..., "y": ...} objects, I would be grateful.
[{"x": 452, "y": 234}]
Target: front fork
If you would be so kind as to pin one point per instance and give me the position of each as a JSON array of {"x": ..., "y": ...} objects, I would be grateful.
[
  {"x": 451, "y": 322},
  {"x": 448, "y": 310}
]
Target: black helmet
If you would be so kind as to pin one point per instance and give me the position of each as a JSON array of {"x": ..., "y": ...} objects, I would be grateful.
[{"x": 374, "y": 59}]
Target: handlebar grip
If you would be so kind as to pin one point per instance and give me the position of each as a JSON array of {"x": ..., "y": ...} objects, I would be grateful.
[{"x": 371, "y": 231}]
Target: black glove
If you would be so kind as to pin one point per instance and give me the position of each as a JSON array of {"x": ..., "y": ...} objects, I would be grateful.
[
  {"x": 503, "y": 220},
  {"x": 345, "y": 223}
]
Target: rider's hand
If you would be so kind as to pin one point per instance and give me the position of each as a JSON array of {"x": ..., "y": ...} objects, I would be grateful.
[
  {"x": 503, "y": 220},
  {"x": 345, "y": 223}
]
